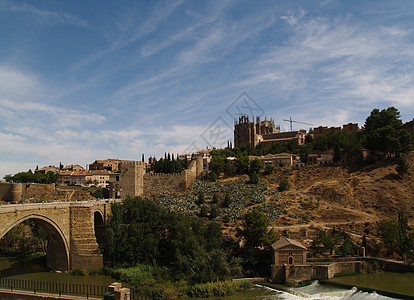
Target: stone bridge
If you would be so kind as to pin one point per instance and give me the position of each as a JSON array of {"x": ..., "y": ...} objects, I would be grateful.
[{"x": 73, "y": 229}]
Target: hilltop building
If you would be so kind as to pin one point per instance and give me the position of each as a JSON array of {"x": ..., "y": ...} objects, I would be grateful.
[
  {"x": 324, "y": 130},
  {"x": 73, "y": 168},
  {"x": 107, "y": 164},
  {"x": 46, "y": 169},
  {"x": 249, "y": 133}
]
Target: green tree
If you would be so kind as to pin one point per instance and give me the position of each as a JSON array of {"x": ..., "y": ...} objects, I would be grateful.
[
  {"x": 328, "y": 240},
  {"x": 255, "y": 230},
  {"x": 283, "y": 185},
  {"x": 255, "y": 165},
  {"x": 384, "y": 135},
  {"x": 395, "y": 235},
  {"x": 402, "y": 165},
  {"x": 98, "y": 194},
  {"x": 304, "y": 151},
  {"x": 254, "y": 178},
  {"x": 242, "y": 165},
  {"x": 213, "y": 176}
]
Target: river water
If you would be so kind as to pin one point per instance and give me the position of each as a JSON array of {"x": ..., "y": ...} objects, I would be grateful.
[{"x": 397, "y": 282}]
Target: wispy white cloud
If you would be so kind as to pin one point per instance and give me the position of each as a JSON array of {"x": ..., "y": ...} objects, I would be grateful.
[
  {"x": 43, "y": 15},
  {"x": 339, "y": 64}
]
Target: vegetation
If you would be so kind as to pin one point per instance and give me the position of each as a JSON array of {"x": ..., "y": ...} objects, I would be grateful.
[
  {"x": 402, "y": 165},
  {"x": 140, "y": 231},
  {"x": 169, "y": 164},
  {"x": 284, "y": 185},
  {"x": 255, "y": 232},
  {"x": 396, "y": 237},
  {"x": 383, "y": 135},
  {"x": 26, "y": 240},
  {"x": 36, "y": 177}
]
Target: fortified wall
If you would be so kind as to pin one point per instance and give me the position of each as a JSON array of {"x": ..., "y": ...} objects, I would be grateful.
[
  {"x": 14, "y": 192},
  {"x": 134, "y": 181}
]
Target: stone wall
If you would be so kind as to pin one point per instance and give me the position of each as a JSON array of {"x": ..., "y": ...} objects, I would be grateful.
[
  {"x": 38, "y": 191},
  {"x": 301, "y": 273},
  {"x": 164, "y": 183},
  {"x": 131, "y": 179},
  {"x": 14, "y": 192}
]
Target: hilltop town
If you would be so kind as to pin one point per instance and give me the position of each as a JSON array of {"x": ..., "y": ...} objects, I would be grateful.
[{"x": 325, "y": 192}]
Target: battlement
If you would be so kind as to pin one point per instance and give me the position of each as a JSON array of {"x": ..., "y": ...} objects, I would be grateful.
[{"x": 162, "y": 174}]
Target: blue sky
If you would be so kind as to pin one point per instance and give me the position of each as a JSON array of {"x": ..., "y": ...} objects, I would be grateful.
[{"x": 86, "y": 80}]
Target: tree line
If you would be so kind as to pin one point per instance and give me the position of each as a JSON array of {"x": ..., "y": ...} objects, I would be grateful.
[
  {"x": 169, "y": 164},
  {"x": 36, "y": 177}
]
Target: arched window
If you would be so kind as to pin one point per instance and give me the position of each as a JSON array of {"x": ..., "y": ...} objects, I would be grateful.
[{"x": 290, "y": 260}]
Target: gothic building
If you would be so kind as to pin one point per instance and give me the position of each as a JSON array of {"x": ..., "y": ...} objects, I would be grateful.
[{"x": 248, "y": 132}]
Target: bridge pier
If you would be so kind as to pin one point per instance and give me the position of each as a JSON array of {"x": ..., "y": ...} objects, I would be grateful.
[{"x": 84, "y": 250}]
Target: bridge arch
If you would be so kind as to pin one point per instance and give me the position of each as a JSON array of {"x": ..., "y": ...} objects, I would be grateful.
[
  {"x": 58, "y": 248},
  {"x": 99, "y": 225}
]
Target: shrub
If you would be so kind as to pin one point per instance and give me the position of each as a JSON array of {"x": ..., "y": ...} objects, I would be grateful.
[
  {"x": 269, "y": 169},
  {"x": 200, "y": 199},
  {"x": 213, "y": 176},
  {"x": 79, "y": 272},
  {"x": 214, "y": 212},
  {"x": 216, "y": 199},
  {"x": 254, "y": 178},
  {"x": 203, "y": 211},
  {"x": 283, "y": 185},
  {"x": 220, "y": 288}
]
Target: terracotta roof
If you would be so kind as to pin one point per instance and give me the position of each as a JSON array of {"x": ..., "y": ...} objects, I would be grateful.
[{"x": 284, "y": 241}]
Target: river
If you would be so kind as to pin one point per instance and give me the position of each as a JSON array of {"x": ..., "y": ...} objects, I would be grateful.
[{"x": 397, "y": 282}]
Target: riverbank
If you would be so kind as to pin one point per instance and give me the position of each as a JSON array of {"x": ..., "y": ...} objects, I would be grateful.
[{"x": 390, "y": 284}]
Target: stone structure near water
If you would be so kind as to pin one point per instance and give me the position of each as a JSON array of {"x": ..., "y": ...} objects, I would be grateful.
[
  {"x": 289, "y": 264},
  {"x": 72, "y": 227}
]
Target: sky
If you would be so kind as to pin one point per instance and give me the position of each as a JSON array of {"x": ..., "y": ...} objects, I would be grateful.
[{"x": 87, "y": 80}]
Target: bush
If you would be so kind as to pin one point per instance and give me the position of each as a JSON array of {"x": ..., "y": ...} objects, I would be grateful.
[
  {"x": 79, "y": 272},
  {"x": 98, "y": 194},
  {"x": 214, "y": 212},
  {"x": 284, "y": 185},
  {"x": 220, "y": 288},
  {"x": 200, "y": 199},
  {"x": 254, "y": 178},
  {"x": 213, "y": 176},
  {"x": 203, "y": 211},
  {"x": 215, "y": 199},
  {"x": 402, "y": 165},
  {"x": 226, "y": 202},
  {"x": 269, "y": 169}
]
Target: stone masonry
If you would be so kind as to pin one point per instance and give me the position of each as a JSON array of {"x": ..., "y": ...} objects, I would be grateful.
[{"x": 70, "y": 228}]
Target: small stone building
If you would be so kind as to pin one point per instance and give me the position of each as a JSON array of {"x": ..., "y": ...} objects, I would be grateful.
[
  {"x": 286, "y": 252},
  {"x": 289, "y": 252}
]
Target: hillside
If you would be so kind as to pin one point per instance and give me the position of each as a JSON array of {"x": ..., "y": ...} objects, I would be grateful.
[
  {"x": 336, "y": 195},
  {"x": 320, "y": 197}
]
